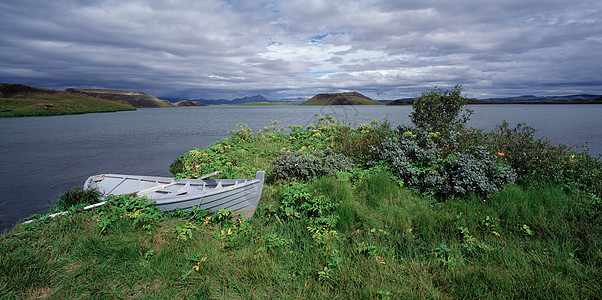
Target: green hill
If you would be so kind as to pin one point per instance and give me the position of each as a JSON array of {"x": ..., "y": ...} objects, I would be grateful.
[
  {"x": 135, "y": 99},
  {"x": 349, "y": 98},
  {"x": 188, "y": 103},
  {"x": 17, "y": 100}
]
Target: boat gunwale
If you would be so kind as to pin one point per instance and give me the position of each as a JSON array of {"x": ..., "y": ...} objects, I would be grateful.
[{"x": 174, "y": 197}]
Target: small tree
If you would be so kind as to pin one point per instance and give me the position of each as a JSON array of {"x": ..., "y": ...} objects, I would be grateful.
[{"x": 438, "y": 110}]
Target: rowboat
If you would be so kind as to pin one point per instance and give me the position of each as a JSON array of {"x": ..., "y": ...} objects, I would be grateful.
[{"x": 239, "y": 195}]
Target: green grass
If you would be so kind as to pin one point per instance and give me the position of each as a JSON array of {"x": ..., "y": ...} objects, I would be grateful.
[
  {"x": 401, "y": 246},
  {"x": 51, "y": 105}
]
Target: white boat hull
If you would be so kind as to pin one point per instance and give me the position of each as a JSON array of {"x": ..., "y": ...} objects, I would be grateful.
[{"x": 239, "y": 195}]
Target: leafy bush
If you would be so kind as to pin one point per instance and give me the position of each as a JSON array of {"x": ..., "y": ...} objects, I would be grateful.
[
  {"x": 476, "y": 171},
  {"x": 422, "y": 165},
  {"x": 308, "y": 164},
  {"x": 357, "y": 143},
  {"x": 439, "y": 111},
  {"x": 298, "y": 202},
  {"x": 243, "y": 133},
  {"x": 318, "y": 136},
  {"x": 244, "y": 153},
  {"x": 139, "y": 209},
  {"x": 238, "y": 157},
  {"x": 538, "y": 162}
]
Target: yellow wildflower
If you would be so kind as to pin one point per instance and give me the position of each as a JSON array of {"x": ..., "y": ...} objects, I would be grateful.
[
  {"x": 197, "y": 266},
  {"x": 380, "y": 260}
]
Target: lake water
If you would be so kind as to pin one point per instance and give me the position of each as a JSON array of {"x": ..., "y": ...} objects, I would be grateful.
[{"x": 44, "y": 156}]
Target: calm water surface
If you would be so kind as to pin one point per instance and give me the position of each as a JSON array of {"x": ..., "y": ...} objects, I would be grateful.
[{"x": 42, "y": 157}]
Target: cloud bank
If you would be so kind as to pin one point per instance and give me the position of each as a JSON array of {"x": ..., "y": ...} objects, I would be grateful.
[{"x": 281, "y": 49}]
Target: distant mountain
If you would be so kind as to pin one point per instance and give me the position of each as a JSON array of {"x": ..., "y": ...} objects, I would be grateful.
[
  {"x": 545, "y": 98},
  {"x": 349, "y": 98},
  {"x": 135, "y": 99},
  {"x": 245, "y": 100},
  {"x": 185, "y": 103},
  {"x": 296, "y": 100},
  {"x": 237, "y": 101},
  {"x": 402, "y": 101},
  {"x": 525, "y": 99}
]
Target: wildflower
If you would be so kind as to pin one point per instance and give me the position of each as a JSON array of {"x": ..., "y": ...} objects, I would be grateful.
[
  {"x": 197, "y": 266},
  {"x": 135, "y": 214},
  {"x": 496, "y": 234},
  {"x": 501, "y": 154}
]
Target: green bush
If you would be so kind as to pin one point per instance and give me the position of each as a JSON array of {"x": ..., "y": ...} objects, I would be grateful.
[
  {"x": 538, "y": 162},
  {"x": 309, "y": 164},
  {"x": 357, "y": 143},
  {"x": 237, "y": 157},
  {"x": 138, "y": 209},
  {"x": 298, "y": 202},
  {"x": 439, "y": 111},
  {"x": 422, "y": 165},
  {"x": 477, "y": 171}
]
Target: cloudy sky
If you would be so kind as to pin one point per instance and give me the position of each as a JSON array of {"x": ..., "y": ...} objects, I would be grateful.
[{"x": 225, "y": 49}]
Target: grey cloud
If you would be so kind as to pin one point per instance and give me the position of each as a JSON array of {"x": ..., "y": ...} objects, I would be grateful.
[{"x": 385, "y": 48}]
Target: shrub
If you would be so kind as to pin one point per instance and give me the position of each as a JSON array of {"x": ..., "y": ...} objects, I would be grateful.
[
  {"x": 414, "y": 164},
  {"x": 308, "y": 164},
  {"x": 240, "y": 156},
  {"x": 298, "y": 202},
  {"x": 138, "y": 209},
  {"x": 318, "y": 136},
  {"x": 538, "y": 162},
  {"x": 439, "y": 111},
  {"x": 421, "y": 164},
  {"x": 357, "y": 143},
  {"x": 476, "y": 171}
]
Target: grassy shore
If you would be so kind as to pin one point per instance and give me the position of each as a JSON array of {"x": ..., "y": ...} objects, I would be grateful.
[
  {"x": 521, "y": 243},
  {"x": 337, "y": 219},
  {"x": 56, "y": 104}
]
